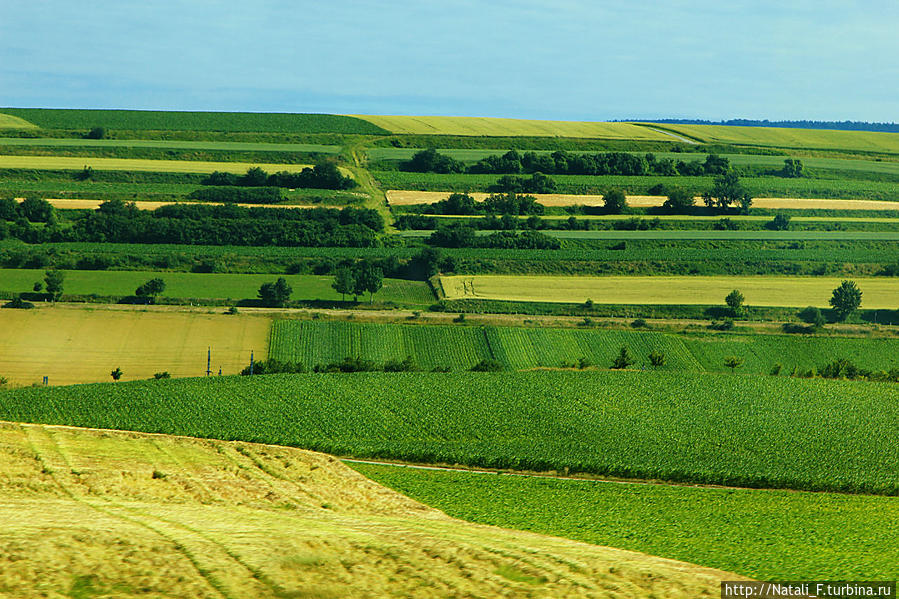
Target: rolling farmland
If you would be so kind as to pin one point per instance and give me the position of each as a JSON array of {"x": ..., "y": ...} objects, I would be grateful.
[
  {"x": 707, "y": 428},
  {"x": 72, "y": 345},
  {"x": 763, "y": 534},
  {"x": 879, "y": 293},
  {"x": 520, "y": 348}
]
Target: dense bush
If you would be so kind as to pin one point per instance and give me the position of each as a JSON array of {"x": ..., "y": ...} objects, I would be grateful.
[{"x": 324, "y": 175}]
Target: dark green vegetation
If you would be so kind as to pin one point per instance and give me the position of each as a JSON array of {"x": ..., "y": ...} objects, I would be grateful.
[
  {"x": 461, "y": 347},
  {"x": 763, "y": 534},
  {"x": 139, "y": 120},
  {"x": 708, "y": 428}
]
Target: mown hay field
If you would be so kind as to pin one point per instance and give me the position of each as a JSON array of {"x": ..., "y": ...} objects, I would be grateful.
[
  {"x": 486, "y": 126},
  {"x": 78, "y": 345},
  {"x": 766, "y": 534},
  {"x": 205, "y": 285},
  {"x": 8, "y": 121},
  {"x": 458, "y": 347},
  {"x": 396, "y": 197},
  {"x": 753, "y": 431},
  {"x": 234, "y": 146},
  {"x": 158, "y": 120},
  {"x": 95, "y": 513},
  {"x": 877, "y": 293},
  {"x": 867, "y": 141},
  {"x": 77, "y": 163}
]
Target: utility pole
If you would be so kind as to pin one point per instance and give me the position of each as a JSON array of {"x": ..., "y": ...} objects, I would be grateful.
[
  {"x": 251, "y": 362},
  {"x": 208, "y": 361}
]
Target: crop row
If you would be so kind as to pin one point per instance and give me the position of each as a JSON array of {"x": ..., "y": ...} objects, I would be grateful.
[{"x": 706, "y": 428}]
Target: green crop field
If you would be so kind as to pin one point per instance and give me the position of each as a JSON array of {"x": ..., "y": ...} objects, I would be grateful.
[
  {"x": 707, "y": 428},
  {"x": 76, "y": 163},
  {"x": 763, "y": 534},
  {"x": 155, "y": 120},
  {"x": 878, "y": 293},
  {"x": 461, "y": 347},
  {"x": 867, "y": 141},
  {"x": 483, "y": 126},
  {"x": 187, "y": 285},
  {"x": 708, "y": 234},
  {"x": 233, "y": 146}
]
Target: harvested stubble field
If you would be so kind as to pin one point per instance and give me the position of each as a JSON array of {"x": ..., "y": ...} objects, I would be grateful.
[
  {"x": 485, "y": 126},
  {"x": 82, "y": 204},
  {"x": 766, "y": 534},
  {"x": 410, "y": 198},
  {"x": 867, "y": 141},
  {"x": 754, "y": 431},
  {"x": 78, "y": 345},
  {"x": 125, "y": 164},
  {"x": 186, "y": 285},
  {"x": 185, "y": 518},
  {"x": 878, "y": 293}
]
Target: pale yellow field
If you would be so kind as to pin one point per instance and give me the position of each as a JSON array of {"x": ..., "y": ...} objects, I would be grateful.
[
  {"x": 407, "y": 198},
  {"x": 7, "y": 121},
  {"x": 77, "y": 204},
  {"x": 114, "y": 514},
  {"x": 458, "y": 125},
  {"x": 129, "y": 164},
  {"x": 82, "y": 345},
  {"x": 877, "y": 293}
]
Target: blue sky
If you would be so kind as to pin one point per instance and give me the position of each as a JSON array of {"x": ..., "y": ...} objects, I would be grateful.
[{"x": 567, "y": 59}]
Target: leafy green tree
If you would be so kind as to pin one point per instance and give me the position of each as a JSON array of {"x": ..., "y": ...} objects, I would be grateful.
[
  {"x": 116, "y": 374},
  {"x": 35, "y": 209},
  {"x": 275, "y": 295},
  {"x": 54, "y": 281},
  {"x": 657, "y": 358},
  {"x": 254, "y": 177},
  {"x": 733, "y": 362},
  {"x": 614, "y": 201},
  {"x": 792, "y": 168},
  {"x": 813, "y": 316},
  {"x": 727, "y": 190},
  {"x": 344, "y": 281},
  {"x": 846, "y": 299},
  {"x": 368, "y": 279},
  {"x": 9, "y": 209},
  {"x": 150, "y": 289},
  {"x": 734, "y": 301},
  {"x": 96, "y": 133},
  {"x": 623, "y": 359},
  {"x": 679, "y": 200},
  {"x": 780, "y": 222}
]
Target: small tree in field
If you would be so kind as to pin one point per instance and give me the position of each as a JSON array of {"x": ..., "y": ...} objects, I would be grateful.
[
  {"x": 846, "y": 299},
  {"x": 344, "y": 281},
  {"x": 657, "y": 358},
  {"x": 614, "y": 201},
  {"x": 116, "y": 374},
  {"x": 150, "y": 289},
  {"x": 734, "y": 301},
  {"x": 54, "y": 280},
  {"x": 733, "y": 362},
  {"x": 275, "y": 295},
  {"x": 623, "y": 359}
]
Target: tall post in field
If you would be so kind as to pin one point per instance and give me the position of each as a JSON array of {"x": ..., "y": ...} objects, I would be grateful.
[
  {"x": 208, "y": 361},
  {"x": 251, "y": 362}
]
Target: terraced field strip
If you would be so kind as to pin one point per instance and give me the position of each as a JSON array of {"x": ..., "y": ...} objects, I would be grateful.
[
  {"x": 8, "y": 121},
  {"x": 186, "y": 285},
  {"x": 167, "y": 143},
  {"x": 127, "y": 164},
  {"x": 706, "y": 234},
  {"x": 868, "y": 141},
  {"x": 687, "y": 217},
  {"x": 454, "y": 125},
  {"x": 878, "y": 293},
  {"x": 68, "y": 204},
  {"x": 409, "y": 198},
  {"x": 460, "y": 347},
  {"x": 76, "y": 345}
]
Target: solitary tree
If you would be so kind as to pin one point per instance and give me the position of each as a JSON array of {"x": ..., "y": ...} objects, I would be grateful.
[
  {"x": 344, "y": 281},
  {"x": 150, "y": 289},
  {"x": 615, "y": 201},
  {"x": 727, "y": 190},
  {"x": 657, "y": 358},
  {"x": 368, "y": 279},
  {"x": 275, "y": 295},
  {"x": 734, "y": 301},
  {"x": 116, "y": 374},
  {"x": 623, "y": 360},
  {"x": 846, "y": 299},
  {"x": 733, "y": 362},
  {"x": 792, "y": 168},
  {"x": 812, "y": 316},
  {"x": 54, "y": 280},
  {"x": 679, "y": 200},
  {"x": 96, "y": 133}
]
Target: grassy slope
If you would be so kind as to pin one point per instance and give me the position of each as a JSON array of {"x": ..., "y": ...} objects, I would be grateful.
[
  {"x": 739, "y": 430},
  {"x": 877, "y": 293},
  {"x": 461, "y": 347},
  {"x": 193, "y": 121},
  {"x": 764, "y": 534},
  {"x": 85, "y": 516},
  {"x": 207, "y": 286}
]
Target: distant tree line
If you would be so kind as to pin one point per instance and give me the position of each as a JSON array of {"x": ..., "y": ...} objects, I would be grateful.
[
  {"x": 836, "y": 125},
  {"x": 324, "y": 175},
  {"x": 458, "y": 235},
  {"x": 502, "y": 203}
]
